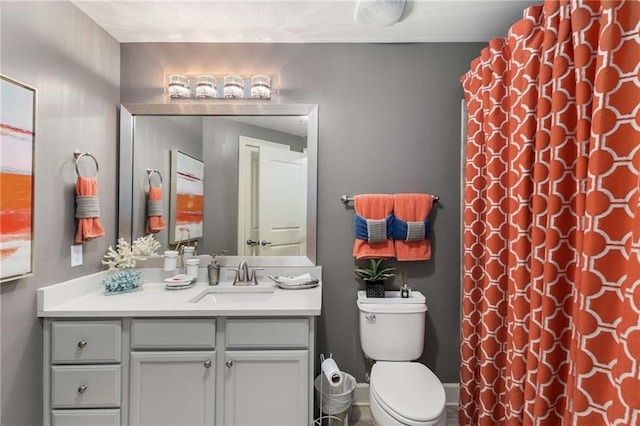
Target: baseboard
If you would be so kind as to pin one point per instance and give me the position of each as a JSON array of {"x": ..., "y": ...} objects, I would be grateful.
[
  {"x": 451, "y": 390},
  {"x": 361, "y": 394}
]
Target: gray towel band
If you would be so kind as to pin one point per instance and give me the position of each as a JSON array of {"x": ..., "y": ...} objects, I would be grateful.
[
  {"x": 154, "y": 207},
  {"x": 415, "y": 231},
  {"x": 87, "y": 207},
  {"x": 377, "y": 230}
]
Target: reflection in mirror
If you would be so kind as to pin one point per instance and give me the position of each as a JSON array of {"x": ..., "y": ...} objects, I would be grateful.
[{"x": 259, "y": 191}]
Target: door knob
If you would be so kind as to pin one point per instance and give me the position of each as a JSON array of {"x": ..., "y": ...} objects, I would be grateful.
[
  {"x": 265, "y": 242},
  {"x": 229, "y": 363}
]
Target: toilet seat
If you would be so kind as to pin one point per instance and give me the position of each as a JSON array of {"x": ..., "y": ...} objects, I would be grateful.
[{"x": 408, "y": 392}]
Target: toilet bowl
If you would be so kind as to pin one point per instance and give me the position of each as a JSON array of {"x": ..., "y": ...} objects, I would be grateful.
[{"x": 406, "y": 393}]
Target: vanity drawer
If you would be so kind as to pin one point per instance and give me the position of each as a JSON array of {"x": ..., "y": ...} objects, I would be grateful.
[
  {"x": 75, "y": 342},
  {"x": 85, "y": 386},
  {"x": 85, "y": 417},
  {"x": 267, "y": 333},
  {"x": 173, "y": 334}
]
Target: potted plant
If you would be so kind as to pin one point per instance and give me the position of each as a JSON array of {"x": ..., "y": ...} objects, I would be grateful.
[{"x": 374, "y": 277}]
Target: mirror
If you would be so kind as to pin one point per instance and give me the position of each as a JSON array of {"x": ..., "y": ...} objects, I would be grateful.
[{"x": 259, "y": 188}]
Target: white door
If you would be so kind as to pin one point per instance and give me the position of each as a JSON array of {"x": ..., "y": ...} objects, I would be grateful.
[
  {"x": 248, "y": 192},
  {"x": 172, "y": 388},
  {"x": 282, "y": 203},
  {"x": 266, "y": 388}
]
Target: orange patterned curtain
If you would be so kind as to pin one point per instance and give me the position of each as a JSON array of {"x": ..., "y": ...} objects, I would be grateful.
[{"x": 551, "y": 304}]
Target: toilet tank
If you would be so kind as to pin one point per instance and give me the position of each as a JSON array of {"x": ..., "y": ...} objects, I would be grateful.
[{"x": 392, "y": 329}]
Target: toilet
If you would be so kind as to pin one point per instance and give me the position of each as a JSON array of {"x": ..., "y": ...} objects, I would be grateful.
[{"x": 401, "y": 392}]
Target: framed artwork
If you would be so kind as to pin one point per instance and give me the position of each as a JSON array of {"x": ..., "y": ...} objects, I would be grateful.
[
  {"x": 17, "y": 149},
  {"x": 187, "y": 197}
]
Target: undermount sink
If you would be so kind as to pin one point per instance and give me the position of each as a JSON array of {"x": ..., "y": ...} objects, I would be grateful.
[{"x": 230, "y": 294}]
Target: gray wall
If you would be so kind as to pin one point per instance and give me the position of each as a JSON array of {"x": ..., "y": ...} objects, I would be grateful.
[
  {"x": 75, "y": 66},
  {"x": 389, "y": 118}
]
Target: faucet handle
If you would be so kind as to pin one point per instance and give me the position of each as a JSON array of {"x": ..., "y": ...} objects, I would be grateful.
[{"x": 254, "y": 275}]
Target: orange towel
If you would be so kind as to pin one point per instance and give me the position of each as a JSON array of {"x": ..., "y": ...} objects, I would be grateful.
[
  {"x": 155, "y": 222},
  {"x": 88, "y": 227},
  {"x": 412, "y": 208},
  {"x": 373, "y": 206}
]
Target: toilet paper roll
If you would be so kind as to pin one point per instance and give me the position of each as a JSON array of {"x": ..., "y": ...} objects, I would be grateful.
[{"x": 332, "y": 372}]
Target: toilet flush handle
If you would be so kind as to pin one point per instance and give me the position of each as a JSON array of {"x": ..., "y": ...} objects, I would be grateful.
[{"x": 370, "y": 317}]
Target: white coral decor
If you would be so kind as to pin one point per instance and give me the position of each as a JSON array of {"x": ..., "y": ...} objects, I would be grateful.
[{"x": 125, "y": 255}]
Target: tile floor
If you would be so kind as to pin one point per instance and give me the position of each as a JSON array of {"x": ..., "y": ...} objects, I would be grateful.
[{"x": 361, "y": 416}]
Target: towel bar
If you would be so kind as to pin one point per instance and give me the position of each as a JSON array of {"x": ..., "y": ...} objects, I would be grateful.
[
  {"x": 79, "y": 154},
  {"x": 345, "y": 199}
]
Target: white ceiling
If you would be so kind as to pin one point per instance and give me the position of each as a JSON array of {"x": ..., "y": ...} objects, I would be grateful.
[{"x": 302, "y": 21}]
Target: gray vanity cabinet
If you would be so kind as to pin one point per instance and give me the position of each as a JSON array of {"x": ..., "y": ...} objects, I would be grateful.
[
  {"x": 179, "y": 371},
  {"x": 172, "y": 372},
  {"x": 266, "y": 374}
]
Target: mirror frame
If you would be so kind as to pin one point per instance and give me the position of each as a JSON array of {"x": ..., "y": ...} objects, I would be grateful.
[{"x": 129, "y": 111}]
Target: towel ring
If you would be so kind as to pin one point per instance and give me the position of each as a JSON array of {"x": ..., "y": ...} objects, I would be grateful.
[
  {"x": 150, "y": 173},
  {"x": 78, "y": 155}
]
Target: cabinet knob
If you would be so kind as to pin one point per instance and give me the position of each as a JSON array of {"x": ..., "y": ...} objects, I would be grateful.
[
  {"x": 82, "y": 344},
  {"x": 370, "y": 317},
  {"x": 229, "y": 363},
  {"x": 265, "y": 242},
  {"x": 207, "y": 364},
  {"x": 82, "y": 389}
]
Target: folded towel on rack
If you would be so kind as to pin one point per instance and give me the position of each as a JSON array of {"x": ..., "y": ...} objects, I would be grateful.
[
  {"x": 374, "y": 208},
  {"x": 155, "y": 221},
  {"x": 412, "y": 226},
  {"x": 87, "y": 210}
]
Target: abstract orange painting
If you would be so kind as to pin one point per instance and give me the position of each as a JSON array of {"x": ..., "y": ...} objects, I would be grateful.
[
  {"x": 187, "y": 197},
  {"x": 17, "y": 141}
]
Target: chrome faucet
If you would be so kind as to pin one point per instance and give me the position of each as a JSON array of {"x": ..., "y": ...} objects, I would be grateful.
[{"x": 244, "y": 276}]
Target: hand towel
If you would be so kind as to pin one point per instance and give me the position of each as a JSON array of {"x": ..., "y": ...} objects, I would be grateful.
[
  {"x": 155, "y": 221},
  {"x": 414, "y": 209},
  {"x": 87, "y": 210},
  {"x": 376, "y": 207}
]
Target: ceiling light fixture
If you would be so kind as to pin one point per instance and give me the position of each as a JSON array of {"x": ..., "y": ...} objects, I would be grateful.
[{"x": 379, "y": 13}]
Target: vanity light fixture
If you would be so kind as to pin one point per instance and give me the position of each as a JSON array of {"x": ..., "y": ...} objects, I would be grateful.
[
  {"x": 178, "y": 86},
  {"x": 206, "y": 86},
  {"x": 260, "y": 87},
  {"x": 233, "y": 86}
]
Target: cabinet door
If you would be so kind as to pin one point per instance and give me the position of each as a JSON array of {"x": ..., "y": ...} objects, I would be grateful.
[
  {"x": 266, "y": 388},
  {"x": 172, "y": 388}
]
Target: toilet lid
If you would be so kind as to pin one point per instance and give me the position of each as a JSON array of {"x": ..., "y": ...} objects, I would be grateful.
[{"x": 408, "y": 390}]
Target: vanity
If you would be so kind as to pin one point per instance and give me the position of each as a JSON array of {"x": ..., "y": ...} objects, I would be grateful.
[
  {"x": 201, "y": 355},
  {"x": 206, "y": 355}
]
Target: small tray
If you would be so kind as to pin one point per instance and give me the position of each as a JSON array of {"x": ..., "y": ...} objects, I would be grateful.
[{"x": 297, "y": 286}]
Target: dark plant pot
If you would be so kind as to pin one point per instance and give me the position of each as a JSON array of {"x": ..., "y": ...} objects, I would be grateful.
[{"x": 374, "y": 288}]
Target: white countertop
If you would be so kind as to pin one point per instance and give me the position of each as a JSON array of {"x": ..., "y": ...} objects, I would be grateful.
[{"x": 84, "y": 297}]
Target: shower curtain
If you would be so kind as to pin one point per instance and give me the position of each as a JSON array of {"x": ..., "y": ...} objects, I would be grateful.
[{"x": 551, "y": 298}]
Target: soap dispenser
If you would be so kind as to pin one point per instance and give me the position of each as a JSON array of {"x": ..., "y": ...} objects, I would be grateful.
[{"x": 213, "y": 270}]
